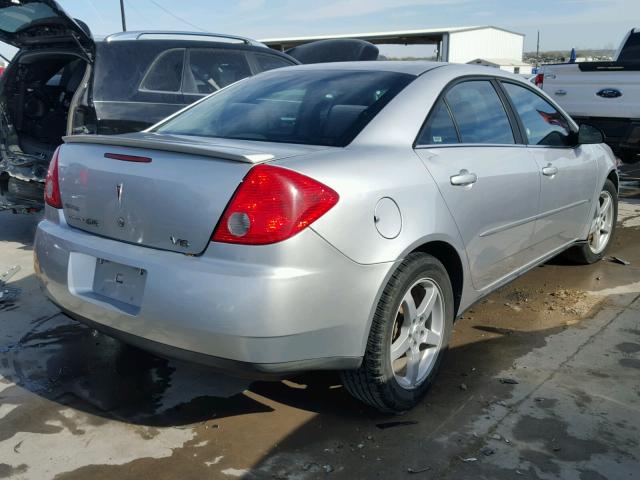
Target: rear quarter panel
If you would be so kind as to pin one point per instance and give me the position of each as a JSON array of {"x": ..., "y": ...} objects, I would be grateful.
[{"x": 362, "y": 176}]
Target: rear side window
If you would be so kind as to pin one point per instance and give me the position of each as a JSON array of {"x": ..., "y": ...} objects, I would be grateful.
[
  {"x": 269, "y": 62},
  {"x": 543, "y": 124},
  {"x": 315, "y": 107},
  {"x": 439, "y": 128},
  {"x": 212, "y": 69},
  {"x": 165, "y": 73},
  {"x": 479, "y": 113}
]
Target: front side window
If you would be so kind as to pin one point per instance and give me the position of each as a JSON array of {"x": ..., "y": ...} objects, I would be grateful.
[
  {"x": 212, "y": 69},
  {"x": 316, "y": 107},
  {"x": 165, "y": 72},
  {"x": 479, "y": 113},
  {"x": 543, "y": 124}
]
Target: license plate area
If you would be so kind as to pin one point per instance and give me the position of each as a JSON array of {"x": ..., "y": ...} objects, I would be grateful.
[{"x": 119, "y": 283}]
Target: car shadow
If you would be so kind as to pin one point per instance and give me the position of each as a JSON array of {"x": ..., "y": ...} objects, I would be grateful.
[{"x": 76, "y": 367}]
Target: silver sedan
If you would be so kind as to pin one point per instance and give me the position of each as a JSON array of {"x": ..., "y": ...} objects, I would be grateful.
[{"x": 335, "y": 216}]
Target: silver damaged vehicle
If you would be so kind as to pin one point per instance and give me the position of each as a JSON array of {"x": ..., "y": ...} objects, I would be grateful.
[{"x": 330, "y": 216}]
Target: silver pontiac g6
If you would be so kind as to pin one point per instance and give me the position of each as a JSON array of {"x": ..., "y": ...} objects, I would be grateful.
[{"x": 331, "y": 216}]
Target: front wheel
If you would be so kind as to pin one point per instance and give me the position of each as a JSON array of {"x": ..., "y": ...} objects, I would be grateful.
[
  {"x": 601, "y": 228},
  {"x": 408, "y": 338}
]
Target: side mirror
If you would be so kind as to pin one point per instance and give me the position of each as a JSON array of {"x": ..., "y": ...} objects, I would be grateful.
[{"x": 588, "y": 134}]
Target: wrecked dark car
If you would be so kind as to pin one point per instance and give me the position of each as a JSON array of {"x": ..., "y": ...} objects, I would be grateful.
[
  {"x": 335, "y": 50},
  {"x": 63, "y": 82}
]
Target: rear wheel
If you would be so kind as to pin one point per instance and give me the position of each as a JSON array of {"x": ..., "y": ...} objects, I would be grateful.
[
  {"x": 408, "y": 338},
  {"x": 601, "y": 229}
]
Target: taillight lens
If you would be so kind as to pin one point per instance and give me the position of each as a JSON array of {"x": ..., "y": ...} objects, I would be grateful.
[
  {"x": 52, "y": 183},
  {"x": 539, "y": 80},
  {"x": 273, "y": 204}
]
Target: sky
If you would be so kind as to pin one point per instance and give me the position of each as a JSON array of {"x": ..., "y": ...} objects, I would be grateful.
[{"x": 563, "y": 24}]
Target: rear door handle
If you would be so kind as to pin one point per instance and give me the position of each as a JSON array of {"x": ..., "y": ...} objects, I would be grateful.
[
  {"x": 561, "y": 92},
  {"x": 549, "y": 170},
  {"x": 464, "y": 178}
]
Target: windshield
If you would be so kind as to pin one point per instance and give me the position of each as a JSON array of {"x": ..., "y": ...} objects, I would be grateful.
[{"x": 317, "y": 107}]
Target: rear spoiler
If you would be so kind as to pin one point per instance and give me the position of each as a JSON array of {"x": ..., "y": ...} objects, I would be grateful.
[{"x": 173, "y": 145}]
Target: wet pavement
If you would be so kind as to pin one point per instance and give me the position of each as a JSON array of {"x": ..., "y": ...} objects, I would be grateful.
[{"x": 542, "y": 381}]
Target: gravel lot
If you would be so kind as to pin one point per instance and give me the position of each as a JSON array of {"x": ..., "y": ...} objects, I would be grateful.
[{"x": 541, "y": 382}]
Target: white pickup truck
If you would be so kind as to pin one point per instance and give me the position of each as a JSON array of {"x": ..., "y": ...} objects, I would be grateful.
[{"x": 603, "y": 94}]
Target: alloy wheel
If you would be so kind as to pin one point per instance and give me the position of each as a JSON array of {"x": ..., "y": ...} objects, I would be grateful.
[
  {"x": 602, "y": 223},
  {"x": 417, "y": 333}
]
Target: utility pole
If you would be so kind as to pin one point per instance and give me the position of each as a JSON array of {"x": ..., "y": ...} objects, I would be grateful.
[
  {"x": 124, "y": 21},
  {"x": 538, "y": 50}
]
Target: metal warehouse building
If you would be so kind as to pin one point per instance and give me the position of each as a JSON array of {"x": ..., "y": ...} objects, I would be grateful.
[{"x": 458, "y": 44}]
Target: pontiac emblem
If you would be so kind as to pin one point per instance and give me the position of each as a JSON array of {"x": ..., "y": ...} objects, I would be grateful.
[{"x": 119, "y": 189}]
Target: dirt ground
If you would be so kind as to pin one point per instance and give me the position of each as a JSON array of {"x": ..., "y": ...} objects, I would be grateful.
[{"x": 542, "y": 381}]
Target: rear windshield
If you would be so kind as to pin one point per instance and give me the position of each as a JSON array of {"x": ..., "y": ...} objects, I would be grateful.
[
  {"x": 631, "y": 50},
  {"x": 16, "y": 16},
  {"x": 313, "y": 107}
]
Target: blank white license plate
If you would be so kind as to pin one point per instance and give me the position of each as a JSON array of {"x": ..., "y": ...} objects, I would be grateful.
[{"x": 119, "y": 282}]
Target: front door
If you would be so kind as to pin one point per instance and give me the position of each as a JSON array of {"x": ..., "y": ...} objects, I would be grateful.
[
  {"x": 567, "y": 172},
  {"x": 489, "y": 182}
]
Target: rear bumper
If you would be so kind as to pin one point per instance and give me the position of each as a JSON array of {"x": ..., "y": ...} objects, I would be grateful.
[
  {"x": 223, "y": 365},
  {"x": 270, "y": 310}
]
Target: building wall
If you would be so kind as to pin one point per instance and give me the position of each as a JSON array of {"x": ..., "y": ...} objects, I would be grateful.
[
  {"x": 484, "y": 43},
  {"x": 522, "y": 70}
]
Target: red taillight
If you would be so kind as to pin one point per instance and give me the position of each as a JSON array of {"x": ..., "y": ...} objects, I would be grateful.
[
  {"x": 52, "y": 183},
  {"x": 539, "y": 80},
  {"x": 272, "y": 204}
]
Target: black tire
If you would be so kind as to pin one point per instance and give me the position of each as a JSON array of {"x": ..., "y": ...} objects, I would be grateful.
[
  {"x": 582, "y": 254},
  {"x": 374, "y": 382}
]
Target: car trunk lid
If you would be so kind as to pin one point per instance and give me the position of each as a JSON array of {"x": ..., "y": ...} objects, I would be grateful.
[{"x": 159, "y": 191}]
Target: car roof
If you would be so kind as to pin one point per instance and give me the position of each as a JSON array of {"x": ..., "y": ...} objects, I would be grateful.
[
  {"x": 181, "y": 35},
  {"x": 411, "y": 67}
]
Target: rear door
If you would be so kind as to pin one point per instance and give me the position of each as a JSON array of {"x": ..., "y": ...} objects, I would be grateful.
[
  {"x": 487, "y": 178},
  {"x": 568, "y": 171}
]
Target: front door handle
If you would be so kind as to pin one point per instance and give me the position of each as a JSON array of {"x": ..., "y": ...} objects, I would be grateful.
[
  {"x": 464, "y": 178},
  {"x": 549, "y": 170}
]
